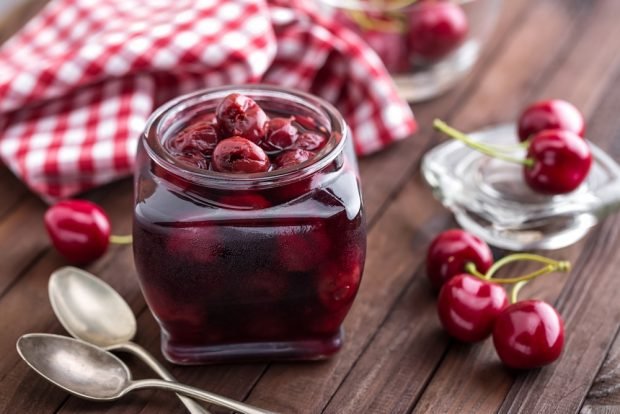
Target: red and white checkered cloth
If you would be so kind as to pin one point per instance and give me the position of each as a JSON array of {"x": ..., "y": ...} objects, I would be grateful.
[{"x": 79, "y": 81}]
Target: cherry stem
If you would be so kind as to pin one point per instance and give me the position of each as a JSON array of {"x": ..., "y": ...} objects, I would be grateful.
[
  {"x": 125, "y": 239},
  {"x": 470, "y": 268},
  {"x": 366, "y": 22},
  {"x": 551, "y": 266},
  {"x": 444, "y": 128},
  {"x": 562, "y": 266},
  {"x": 515, "y": 291}
]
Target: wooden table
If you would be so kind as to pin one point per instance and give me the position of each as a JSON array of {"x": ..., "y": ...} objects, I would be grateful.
[{"x": 396, "y": 358}]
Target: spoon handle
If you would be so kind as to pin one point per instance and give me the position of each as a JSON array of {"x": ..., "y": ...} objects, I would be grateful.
[
  {"x": 192, "y": 406},
  {"x": 196, "y": 393}
]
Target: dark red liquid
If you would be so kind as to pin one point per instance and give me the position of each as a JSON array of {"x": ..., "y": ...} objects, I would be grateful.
[{"x": 252, "y": 275}]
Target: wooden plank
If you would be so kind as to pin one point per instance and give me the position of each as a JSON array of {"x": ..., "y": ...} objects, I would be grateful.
[
  {"x": 22, "y": 240},
  {"x": 604, "y": 396},
  {"x": 12, "y": 191},
  {"x": 17, "y": 15}
]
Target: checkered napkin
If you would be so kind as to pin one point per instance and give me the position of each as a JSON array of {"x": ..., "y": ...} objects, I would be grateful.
[{"x": 79, "y": 81}]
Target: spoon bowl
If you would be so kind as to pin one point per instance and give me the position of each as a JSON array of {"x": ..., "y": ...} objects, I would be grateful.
[
  {"x": 75, "y": 366},
  {"x": 89, "y": 309}
]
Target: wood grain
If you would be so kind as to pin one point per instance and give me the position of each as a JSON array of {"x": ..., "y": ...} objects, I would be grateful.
[
  {"x": 588, "y": 304},
  {"x": 17, "y": 14},
  {"x": 396, "y": 358},
  {"x": 485, "y": 386},
  {"x": 604, "y": 396}
]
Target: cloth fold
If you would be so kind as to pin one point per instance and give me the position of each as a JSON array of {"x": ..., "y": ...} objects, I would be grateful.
[{"x": 78, "y": 82}]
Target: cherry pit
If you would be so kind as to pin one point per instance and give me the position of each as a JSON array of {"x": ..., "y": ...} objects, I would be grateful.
[
  {"x": 558, "y": 158},
  {"x": 473, "y": 304}
]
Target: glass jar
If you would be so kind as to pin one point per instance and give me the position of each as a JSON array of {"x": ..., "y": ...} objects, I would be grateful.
[
  {"x": 261, "y": 266},
  {"x": 426, "y": 45}
]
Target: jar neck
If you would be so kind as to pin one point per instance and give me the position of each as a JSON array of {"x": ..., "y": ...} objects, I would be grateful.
[{"x": 168, "y": 117}]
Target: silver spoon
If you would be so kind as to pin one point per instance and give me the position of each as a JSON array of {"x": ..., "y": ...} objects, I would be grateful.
[
  {"x": 91, "y": 310},
  {"x": 91, "y": 372}
]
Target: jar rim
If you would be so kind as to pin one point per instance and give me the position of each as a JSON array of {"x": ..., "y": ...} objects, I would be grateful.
[{"x": 338, "y": 130}]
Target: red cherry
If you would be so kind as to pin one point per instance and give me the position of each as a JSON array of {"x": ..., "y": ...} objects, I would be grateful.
[
  {"x": 561, "y": 162},
  {"x": 310, "y": 141},
  {"x": 238, "y": 115},
  {"x": 307, "y": 122},
  {"x": 450, "y": 251},
  {"x": 79, "y": 230},
  {"x": 281, "y": 134},
  {"x": 528, "y": 334},
  {"x": 292, "y": 157},
  {"x": 436, "y": 29},
  {"x": 552, "y": 114},
  {"x": 239, "y": 155},
  {"x": 468, "y": 306},
  {"x": 198, "y": 138}
]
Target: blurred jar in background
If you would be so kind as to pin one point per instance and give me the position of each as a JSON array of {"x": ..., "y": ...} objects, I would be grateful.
[{"x": 427, "y": 45}]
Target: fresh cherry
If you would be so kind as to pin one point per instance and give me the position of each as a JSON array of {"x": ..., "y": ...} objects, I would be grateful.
[
  {"x": 239, "y": 115},
  {"x": 557, "y": 161},
  {"x": 239, "y": 155},
  {"x": 292, "y": 157},
  {"x": 435, "y": 29},
  {"x": 281, "y": 134},
  {"x": 551, "y": 114},
  {"x": 78, "y": 229},
  {"x": 467, "y": 307},
  {"x": 561, "y": 161},
  {"x": 310, "y": 141},
  {"x": 528, "y": 334},
  {"x": 450, "y": 252}
]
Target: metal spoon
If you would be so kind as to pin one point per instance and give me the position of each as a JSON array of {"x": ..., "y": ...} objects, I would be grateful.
[
  {"x": 91, "y": 372},
  {"x": 91, "y": 310}
]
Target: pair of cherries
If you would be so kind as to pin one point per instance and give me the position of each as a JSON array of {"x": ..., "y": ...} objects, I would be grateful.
[
  {"x": 425, "y": 32},
  {"x": 473, "y": 306},
  {"x": 558, "y": 158}
]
